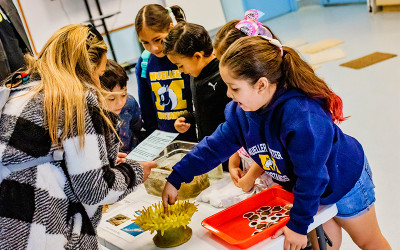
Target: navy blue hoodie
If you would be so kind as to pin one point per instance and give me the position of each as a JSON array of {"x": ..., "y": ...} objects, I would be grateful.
[
  {"x": 164, "y": 95},
  {"x": 295, "y": 141}
]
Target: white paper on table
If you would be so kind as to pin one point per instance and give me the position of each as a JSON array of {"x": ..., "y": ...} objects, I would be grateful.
[
  {"x": 152, "y": 146},
  {"x": 127, "y": 230}
]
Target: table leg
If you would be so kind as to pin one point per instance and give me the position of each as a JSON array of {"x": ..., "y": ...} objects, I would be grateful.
[{"x": 322, "y": 238}]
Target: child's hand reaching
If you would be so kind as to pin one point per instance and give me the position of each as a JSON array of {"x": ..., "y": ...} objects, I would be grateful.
[
  {"x": 180, "y": 125},
  {"x": 293, "y": 240},
  {"x": 169, "y": 196},
  {"x": 147, "y": 166}
]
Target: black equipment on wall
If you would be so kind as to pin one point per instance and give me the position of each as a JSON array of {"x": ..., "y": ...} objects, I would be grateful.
[
  {"x": 103, "y": 23},
  {"x": 14, "y": 42}
]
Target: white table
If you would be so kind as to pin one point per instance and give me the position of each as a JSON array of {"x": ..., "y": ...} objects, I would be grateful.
[{"x": 201, "y": 239}]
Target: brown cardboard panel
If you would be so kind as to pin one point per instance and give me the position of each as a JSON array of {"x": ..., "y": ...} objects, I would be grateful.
[
  {"x": 368, "y": 60},
  {"x": 390, "y": 8}
]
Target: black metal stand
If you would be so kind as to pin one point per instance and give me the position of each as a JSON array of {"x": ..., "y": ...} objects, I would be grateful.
[
  {"x": 103, "y": 23},
  {"x": 323, "y": 238}
]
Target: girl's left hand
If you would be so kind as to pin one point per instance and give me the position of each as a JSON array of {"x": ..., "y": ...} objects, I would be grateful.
[
  {"x": 293, "y": 240},
  {"x": 121, "y": 157}
]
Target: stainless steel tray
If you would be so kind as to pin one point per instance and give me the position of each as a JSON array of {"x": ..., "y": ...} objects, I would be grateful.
[
  {"x": 176, "y": 147},
  {"x": 172, "y": 154}
]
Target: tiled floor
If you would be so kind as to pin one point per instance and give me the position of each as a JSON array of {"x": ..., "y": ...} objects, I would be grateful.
[{"x": 371, "y": 96}]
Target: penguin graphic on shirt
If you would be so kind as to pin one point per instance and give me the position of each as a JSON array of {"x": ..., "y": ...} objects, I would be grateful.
[
  {"x": 269, "y": 164},
  {"x": 168, "y": 98}
]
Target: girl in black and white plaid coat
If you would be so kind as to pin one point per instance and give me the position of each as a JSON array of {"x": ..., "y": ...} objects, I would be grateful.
[{"x": 59, "y": 150}]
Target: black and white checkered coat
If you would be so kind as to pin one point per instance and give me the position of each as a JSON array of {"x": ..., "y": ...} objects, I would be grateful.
[{"x": 38, "y": 207}]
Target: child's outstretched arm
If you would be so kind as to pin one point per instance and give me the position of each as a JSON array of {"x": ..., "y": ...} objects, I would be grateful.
[
  {"x": 246, "y": 183},
  {"x": 206, "y": 155},
  {"x": 234, "y": 168}
]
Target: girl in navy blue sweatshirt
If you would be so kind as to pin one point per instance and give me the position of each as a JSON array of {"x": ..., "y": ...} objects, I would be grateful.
[
  {"x": 164, "y": 93},
  {"x": 285, "y": 117},
  {"x": 226, "y": 36}
]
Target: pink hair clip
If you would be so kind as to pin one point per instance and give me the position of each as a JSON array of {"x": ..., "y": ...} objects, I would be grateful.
[
  {"x": 253, "y": 15},
  {"x": 247, "y": 27},
  {"x": 251, "y": 26}
]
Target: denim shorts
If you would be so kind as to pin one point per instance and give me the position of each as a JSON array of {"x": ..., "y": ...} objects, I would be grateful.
[{"x": 360, "y": 198}]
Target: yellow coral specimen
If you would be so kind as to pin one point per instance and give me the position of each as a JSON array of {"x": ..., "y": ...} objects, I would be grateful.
[{"x": 153, "y": 218}]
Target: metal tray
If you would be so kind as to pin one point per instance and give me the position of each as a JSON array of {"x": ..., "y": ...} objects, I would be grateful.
[
  {"x": 172, "y": 154},
  {"x": 176, "y": 147}
]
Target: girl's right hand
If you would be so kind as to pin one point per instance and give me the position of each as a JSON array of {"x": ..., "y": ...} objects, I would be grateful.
[
  {"x": 236, "y": 174},
  {"x": 180, "y": 125},
  {"x": 169, "y": 196}
]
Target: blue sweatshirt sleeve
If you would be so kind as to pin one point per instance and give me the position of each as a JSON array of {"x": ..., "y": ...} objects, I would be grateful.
[
  {"x": 208, "y": 154},
  {"x": 149, "y": 115},
  {"x": 309, "y": 141}
]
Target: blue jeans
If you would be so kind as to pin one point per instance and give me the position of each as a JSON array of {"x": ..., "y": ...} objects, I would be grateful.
[{"x": 360, "y": 198}]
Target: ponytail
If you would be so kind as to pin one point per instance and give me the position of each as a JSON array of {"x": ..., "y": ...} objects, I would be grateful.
[
  {"x": 298, "y": 74},
  {"x": 251, "y": 58},
  {"x": 157, "y": 17},
  {"x": 178, "y": 13}
]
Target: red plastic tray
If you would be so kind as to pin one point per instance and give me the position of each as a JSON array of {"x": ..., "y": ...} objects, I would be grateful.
[{"x": 231, "y": 226}]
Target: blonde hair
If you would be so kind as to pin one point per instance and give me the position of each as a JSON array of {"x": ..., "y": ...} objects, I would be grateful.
[{"x": 66, "y": 65}]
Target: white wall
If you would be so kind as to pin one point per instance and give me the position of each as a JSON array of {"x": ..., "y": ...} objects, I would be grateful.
[
  {"x": 233, "y": 9},
  {"x": 44, "y": 17},
  {"x": 208, "y": 13}
]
